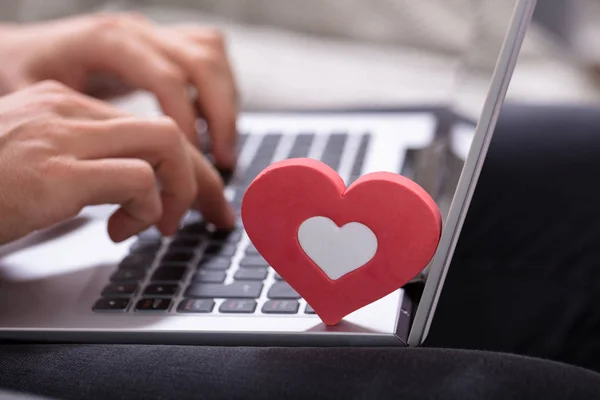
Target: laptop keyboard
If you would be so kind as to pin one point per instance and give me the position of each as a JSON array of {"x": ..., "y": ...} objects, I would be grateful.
[{"x": 201, "y": 270}]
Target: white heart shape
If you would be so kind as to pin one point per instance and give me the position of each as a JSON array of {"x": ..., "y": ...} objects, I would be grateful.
[{"x": 337, "y": 251}]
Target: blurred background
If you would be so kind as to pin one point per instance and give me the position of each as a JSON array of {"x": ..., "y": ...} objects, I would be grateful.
[{"x": 353, "y": 53}]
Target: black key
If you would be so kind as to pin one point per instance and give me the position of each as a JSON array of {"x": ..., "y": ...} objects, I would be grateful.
[
  {"x": 184, "y": 242},
  {"x": 209, "y": 276},
  {"x": 281, "y": 307},
  {"x": 282, "y": 290},
  {"x": 253, "y": 262},
  {"x": 153, "y": 304},
  {"x": 262, "y": 158},
  {"x": 309, "y": 310},
  {"x": 120, "y": 290},
  {"x": 231, "y": 236},
  {"x": 137, "y": 261},
  {"x": 177, "y": 257},
  {"x": 193, "y": 229},
  {"x": 220, "y": 249},
  {"x": 161, "y": 290},
  {"x": 128, "y": 275},
  {"x": 169, "y": 274},
  {"x": 278, "y": 277},
  {"x": 239, "y": 290},
  {"x": 141, "y": 246},
  {"x": 108, "y": 304},
  {"x": 251, "y": 274},
  {"x": 251, "y": 250},
  {"x": 238, "y": 307},
  {"x": 409, "y": 165},
  {"x": 196, "y": 306},
  {"x": 332, "y": 155},
  {"x": 301, "y": 146},
  {"x": 359, "y": 159},
  {"x": 219, "y": 263},
  {"x": 226, "y": 174}
]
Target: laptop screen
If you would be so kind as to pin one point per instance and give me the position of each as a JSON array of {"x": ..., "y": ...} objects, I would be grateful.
[{"x": 438, "y": 167}]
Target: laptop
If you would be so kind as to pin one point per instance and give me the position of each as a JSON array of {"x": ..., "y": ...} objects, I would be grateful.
[{"x": 70, "y": 283}]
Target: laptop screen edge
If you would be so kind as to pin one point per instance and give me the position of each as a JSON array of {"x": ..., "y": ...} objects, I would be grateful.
[{"x": 505, "y": 66}]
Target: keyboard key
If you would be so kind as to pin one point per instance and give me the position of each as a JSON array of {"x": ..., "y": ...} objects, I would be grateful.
[
  {"x": 251, "y": 274},
  {"x": 128, "y": 275},
  {"x": 281, "y": 307},
  {"x": 167, "y": 290},
  {"x": 253, "y": 262},
  {"x": 140, "y": 246},
  {"x": 359, "y": 160},
  {"x": 309, "y": 310},
  {"x": 185, "y": 242},
  {"x": 278, "y": 277},
  {"x": 218, "y": 263},
  {"x": 238, "y": 307},
  {"x": 169, "y": 274},
  {"x": 219, "y": 249},
  {"x": 192, "y": 217},
  {"x": 153, "y": 304},
  {"x": 239, "y": 290},
  {"x": 193, "y": 229},
  {"x": 302, "y": 145},
  {"x": 262, "y": 158},
  {"x": 251, "y": 250},
  {"x": 150, "y": 235},
  {"x": 236, "y": 202},
  {"x": 332, "y": 155},
  {"x": 230, "y": 236},
  {"x": 226, "y": 174},
  {"x": 108, "y": 304},
  {"x": 209, "y": 276},
  {"x": 137, "y": 260},
  {"x": 196, "y": 306},
  {"x": 178, "y": 257},
  {"x": 120, "y": 290},
  {"x": 282, "y": 290}
]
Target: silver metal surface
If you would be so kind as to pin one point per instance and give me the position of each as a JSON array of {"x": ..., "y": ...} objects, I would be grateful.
[{"x": 50, "y": 280}]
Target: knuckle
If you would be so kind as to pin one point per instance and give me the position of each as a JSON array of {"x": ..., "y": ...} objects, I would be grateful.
[
  {"x": 145, "y": 180},
  {"x": 208, "y": 61},
  {"x": 170, "y": 134},
  {"x": 107, "y": 20},
  {"x": 52, "y": 86},
  {"x": 135, "y": 16},
  {"x": 45, "y": 132},
  {"x": 59, "y": 101},
  {"x": 171, "y": 76},
  {"x": 215, "y": 37}
]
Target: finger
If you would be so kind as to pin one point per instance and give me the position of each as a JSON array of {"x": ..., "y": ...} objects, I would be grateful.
[
  {"x": 157, "y": 141},
  {"x": 210, "y": 201},
  {"x": 213, "y": 39},
  {"x": 66, "y": 102},
  {"x": 209, "y": 71},
  {"x": 144, "y": 67},
  {"x": 126, "y": 182},
  {"x": 80, "y": 106}
]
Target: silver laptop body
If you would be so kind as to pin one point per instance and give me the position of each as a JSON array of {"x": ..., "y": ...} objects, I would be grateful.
[{"x": 71, "y": 283}]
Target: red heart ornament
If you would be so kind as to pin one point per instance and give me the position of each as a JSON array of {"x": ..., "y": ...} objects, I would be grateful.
[{"x": 340, "y": 248}]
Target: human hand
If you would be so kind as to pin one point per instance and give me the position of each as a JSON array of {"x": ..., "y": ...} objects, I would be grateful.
[
  {"x": 61, "y": 151},
  {"x": 84, "y": 50}
]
